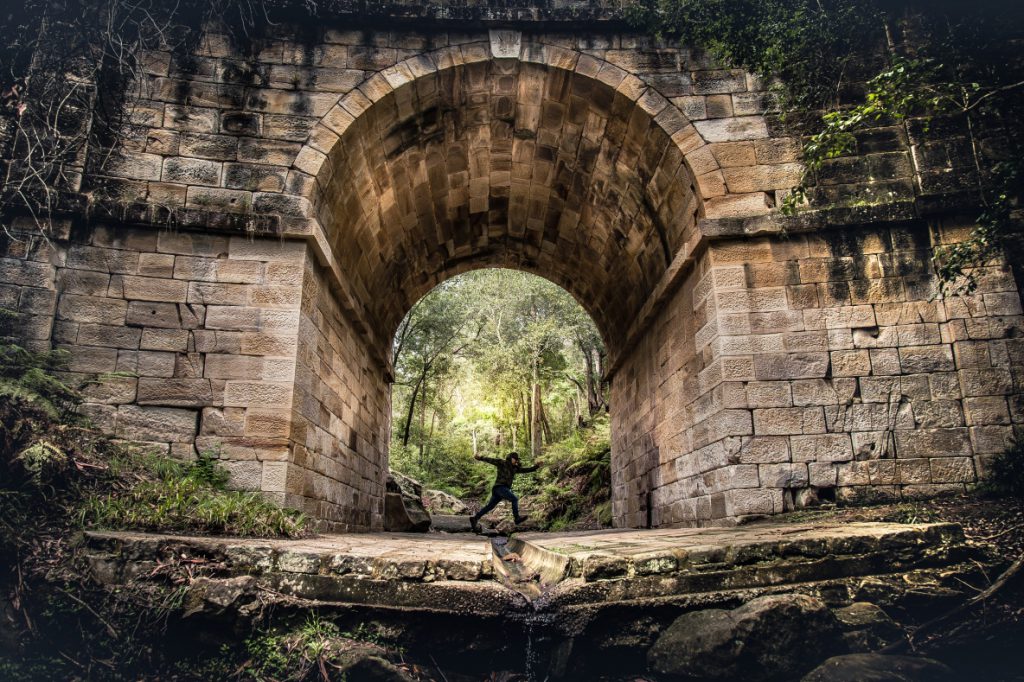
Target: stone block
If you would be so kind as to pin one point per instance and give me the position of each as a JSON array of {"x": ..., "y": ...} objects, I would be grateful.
[
  {"x": 822, "y": 474},
  {"x": 174, "y": 392},
  {"x": 851, "y": 363},
  {"x": 204, "y": 146},
  {"x": 156, "y": 264},
  {"x": 752, "y": 501},
  {"x": 246, "y": 475},
  {"x": 216, "y": 199},
  {"x": 952, "y": 470},
  {"x": 826, "y": 447},
  {"x": 109, "y": 336},
  {"x": 782, "y": 421},
  {"x": 190, "y": 119},
  {"x": 254, "y": 177},
  {"x": 885, "y": 361},
  {"x": 149, "y": 288},
  {"x": 732, "y": 129},
  {"x": 236, "y": 318},
  {"x": 873, "y": 445},
  {"x": 938, "y": 413},
  {"x": 985, "y": 382},
  {"x": 783, "y": 475},
  {"x": 191, "y": 171},
  {"x": 764, "y": 450},
  {"x": 953, "y": 442},
  {"x": 853, "y": 473},
  {"x": 84, "y": 282},
  {"x": 986, "y": 411},
  {"x": 769, "y": 394},
  {"x": 925, "y": 359},
  {"x": 781, "y": 366},
  {"x": 155, "y": 423},
  {"x": 991, "y": 439},
  {"x": 207, "y": 293},
  {"x": 92, "y": 309},
  {"x": 274, "y": 476},
  {"x": 88, "y": 359},
  {"x": 266, "y": 249},
  {"x": 913, "y": 471},
  {"x": 257, "y": 394},
  {"x": 110, "y": 390},
  {"x": 164, "y": 339}
]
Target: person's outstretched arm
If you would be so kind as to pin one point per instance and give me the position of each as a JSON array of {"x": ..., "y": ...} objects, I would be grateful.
[
  {"x": 526, "y": 470},
  {"x": 494, "y": 461}
]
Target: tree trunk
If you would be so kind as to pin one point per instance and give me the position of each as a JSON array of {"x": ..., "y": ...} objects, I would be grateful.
[
  {"x": 412, "y": 408},
  {"x": 423, "y": 418},
  {"x": 548, "y": 438},
  {"x": 433, "y": 421},
  {"x": 535, "y": 414}
]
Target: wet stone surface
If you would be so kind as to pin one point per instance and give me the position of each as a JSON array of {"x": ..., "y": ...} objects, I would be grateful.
[{"x": 394, "y": 569}]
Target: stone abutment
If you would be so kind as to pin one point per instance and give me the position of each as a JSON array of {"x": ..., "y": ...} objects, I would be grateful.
[{"x": 229, "y": 278}]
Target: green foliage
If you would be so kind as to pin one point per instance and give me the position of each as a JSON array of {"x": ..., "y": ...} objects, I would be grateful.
[
  {"x": 29, "y": 376},
  {"x": 1006, "y": 473},
  {"x": 174, "y": 496},
  {"x": 469, "y": 358},
  {"x": 575, "y": 479},
  {"x": 301, "y": 654},
  {"x": 875, "y": 63},
  {"x": 998, "y": 224},
  {"x": 810, "y": 45}
]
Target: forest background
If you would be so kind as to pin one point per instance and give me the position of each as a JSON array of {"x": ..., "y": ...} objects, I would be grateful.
[{"x": 495, "y": 361}]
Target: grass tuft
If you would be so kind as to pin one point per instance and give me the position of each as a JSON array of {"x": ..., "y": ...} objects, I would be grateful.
[{"x": 172, "y": 496}]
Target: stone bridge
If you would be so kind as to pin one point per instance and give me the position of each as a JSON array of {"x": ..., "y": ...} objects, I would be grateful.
[{"x": 233, "y": 271}]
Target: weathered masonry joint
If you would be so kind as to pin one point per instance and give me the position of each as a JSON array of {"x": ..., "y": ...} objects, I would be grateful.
[{"x": 230, "y": 277}]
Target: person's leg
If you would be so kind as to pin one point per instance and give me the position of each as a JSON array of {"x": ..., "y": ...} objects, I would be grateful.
[
  {"x": 507, "y": 493},
  {"x": 491, "y": 504}
]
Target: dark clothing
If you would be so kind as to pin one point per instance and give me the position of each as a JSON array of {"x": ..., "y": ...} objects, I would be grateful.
[
  {"x": 499, "y": 493},
  {"x": 506, "y": 471}
]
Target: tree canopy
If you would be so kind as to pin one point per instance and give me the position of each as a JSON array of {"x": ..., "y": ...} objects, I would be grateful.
[{"x": 491, "y": 361}]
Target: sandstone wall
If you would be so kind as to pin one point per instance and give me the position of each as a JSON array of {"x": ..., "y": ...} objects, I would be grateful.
[
  {"x": 230, "y": 277},
  {"x": 823, "y": 361},
  {"x": 340, "y": 416}
]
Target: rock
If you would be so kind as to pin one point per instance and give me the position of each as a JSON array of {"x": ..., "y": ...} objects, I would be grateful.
[
  {"x": 440, "y": 502},
  {"x": 879, "y": 668},
  {"x": 772, "y": 637},
  {"x": 373, "y": 669},
  {"x": 450, "y": 523},
  {"x": 403, "y": 506},
  {"x": 867, "y": 627},
  {"x": 222, "y": 597}
]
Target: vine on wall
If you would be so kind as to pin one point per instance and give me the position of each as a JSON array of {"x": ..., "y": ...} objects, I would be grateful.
[{"x": 870, "y": 63}]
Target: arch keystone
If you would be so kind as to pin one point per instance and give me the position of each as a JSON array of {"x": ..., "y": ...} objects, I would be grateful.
[{"x": 506, "y": 44}]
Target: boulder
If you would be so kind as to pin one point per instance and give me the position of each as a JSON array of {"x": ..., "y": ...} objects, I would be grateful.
[
  {"x": 440, "y": 502},
  {"x": 880, "y": 668},
  {"x": 451, "y": 523},
  {"x": 867, "y": 627},
  {"x": 769, "y": 638},
  {"x": 403, "y": 506}
]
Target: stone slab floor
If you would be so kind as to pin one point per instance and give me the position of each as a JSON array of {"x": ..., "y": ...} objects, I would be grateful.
[{"x": 553, "y": 557}]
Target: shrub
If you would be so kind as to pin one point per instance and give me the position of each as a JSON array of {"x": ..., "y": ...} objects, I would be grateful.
[{"x": 1006, "y": 472}]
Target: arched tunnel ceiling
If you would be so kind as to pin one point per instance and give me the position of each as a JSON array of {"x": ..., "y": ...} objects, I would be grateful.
[{"x": 510, "y": 164}]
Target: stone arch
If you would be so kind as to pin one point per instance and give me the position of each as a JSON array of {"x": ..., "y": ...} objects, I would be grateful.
[{"x": 539, "y": 158}]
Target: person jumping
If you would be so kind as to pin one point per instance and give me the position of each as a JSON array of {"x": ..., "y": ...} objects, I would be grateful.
[{"x": 502, "y": 489}]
